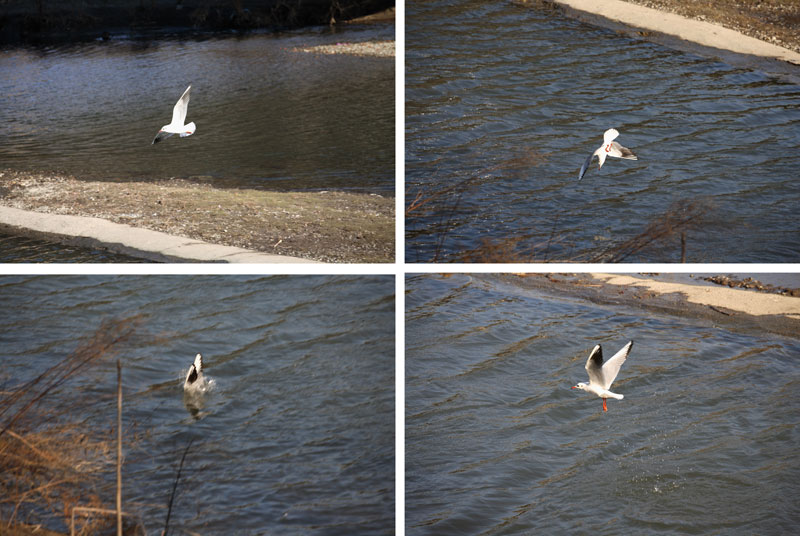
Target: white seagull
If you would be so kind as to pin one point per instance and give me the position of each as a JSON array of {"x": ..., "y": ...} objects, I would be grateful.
[
  {"x": 601, "y": 376},
  {"x": 609, "y": 148},
  {"x": 178, "y": 117},
  {"x": 195, "y": 374}
]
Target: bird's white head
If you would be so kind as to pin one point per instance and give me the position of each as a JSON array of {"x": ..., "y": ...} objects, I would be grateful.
[{"x": 582, "y": 386}]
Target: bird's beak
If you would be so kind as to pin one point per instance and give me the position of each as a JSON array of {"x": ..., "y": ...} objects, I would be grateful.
[{"x": 574, "y": 386}]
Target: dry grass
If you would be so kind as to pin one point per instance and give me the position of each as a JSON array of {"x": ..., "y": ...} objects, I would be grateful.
[
  {"x": 324, "y": 226},
  {"x": 682, "y": 217},
  {"x": 50, "y": 460}
]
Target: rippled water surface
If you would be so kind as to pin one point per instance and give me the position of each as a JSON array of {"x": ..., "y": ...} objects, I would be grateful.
[
  {"x": 266, "y": 114},
  {"x": 23, "y": 249},
  {"x": 504, "y": 103},
  {"x": 704, "y": 442},
  {"x": 297, "y": 433}
]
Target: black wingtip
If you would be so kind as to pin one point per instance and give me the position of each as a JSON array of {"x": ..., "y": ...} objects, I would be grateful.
[
  {"x": 192, "y": 375},
  {"x": 597, "y": 356}
]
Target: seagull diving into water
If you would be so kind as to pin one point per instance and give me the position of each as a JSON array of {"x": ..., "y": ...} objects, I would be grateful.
[
  {"x": 195, "y": 374},
  {"x": 178, "y": 117},
  {"x": 609, "y": 148},
  {"x": 601, "y": 376}
]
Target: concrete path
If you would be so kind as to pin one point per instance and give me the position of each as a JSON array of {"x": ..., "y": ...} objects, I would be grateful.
[
  {"x": 128, "y": 240},
  {"x": 704, "y": 33}
]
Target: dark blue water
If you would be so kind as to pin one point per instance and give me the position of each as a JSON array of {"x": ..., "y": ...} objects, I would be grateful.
[
  {"x": 266, "y": 114},
  {"x": 297, "y": 433},
  {"x": 504, "y": 102},
  {"x": 704, "y": 442}
]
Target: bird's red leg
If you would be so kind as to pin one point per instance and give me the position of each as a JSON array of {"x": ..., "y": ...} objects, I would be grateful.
[{"x": 604, "y": 405}]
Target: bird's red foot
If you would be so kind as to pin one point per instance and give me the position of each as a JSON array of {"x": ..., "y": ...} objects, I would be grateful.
[{"x": 604, "y": 405}]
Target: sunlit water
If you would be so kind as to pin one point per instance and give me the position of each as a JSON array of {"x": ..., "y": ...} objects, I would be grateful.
[
  {"x": 296, "y": 433},
  {"x": 266, "y": 114},
  {"x": 505, "y": 102},
  {"x": 704, "y": 442}
]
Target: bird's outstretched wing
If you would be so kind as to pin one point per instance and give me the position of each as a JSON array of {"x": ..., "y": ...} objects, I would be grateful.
[
  {"x": 179, "y": 112},
  {"x": 610, "y": 135},
  {"x": 585, "y": 166},
  {"x": 619, "y": 151},
  {"x": 162, "y": 135},
  {"x": 611, "y": 367},
  {"x": 594, "y": 365}
]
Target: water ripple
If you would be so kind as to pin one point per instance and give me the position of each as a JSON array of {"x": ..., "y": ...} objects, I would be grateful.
[
  {"x": 498, "y": 443},
  {"x": 522, "y": 80}
]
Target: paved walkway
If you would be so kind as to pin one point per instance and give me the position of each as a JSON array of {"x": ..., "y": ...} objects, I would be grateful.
[{"x": 129, "y": 240}]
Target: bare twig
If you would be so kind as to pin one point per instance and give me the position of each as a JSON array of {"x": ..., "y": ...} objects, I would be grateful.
[
  {"x": 175, "y": 487},
  {"x": 119, "y": 448}
]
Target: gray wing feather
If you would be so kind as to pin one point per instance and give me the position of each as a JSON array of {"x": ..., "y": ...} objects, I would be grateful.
[
  {"x": 585, "y": 166},
  {"x": 619, "y": 151},
  {"x": 161, "y": 136}
]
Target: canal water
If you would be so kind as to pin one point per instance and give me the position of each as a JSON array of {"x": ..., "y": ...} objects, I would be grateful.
[
  {"x": 505, "y": 101},
  {"x": 497, "y": 442},
  {"x": 23, "y": 249},
  {"x": 267, "y": 115},
  {"x": 296, "y": 434}
]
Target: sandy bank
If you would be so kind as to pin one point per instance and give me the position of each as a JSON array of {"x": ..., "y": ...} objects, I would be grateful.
[
  {"x": 698, "y": 31},
  {"x": 735, "y": 300},
  {"x": 319, "y": 226},
  {"x": 741, "y": 309}
]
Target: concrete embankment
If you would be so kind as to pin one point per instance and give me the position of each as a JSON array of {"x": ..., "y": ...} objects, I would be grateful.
[
  {"x": 121, "y": 238},
  {"x": 697, "y": 31}
]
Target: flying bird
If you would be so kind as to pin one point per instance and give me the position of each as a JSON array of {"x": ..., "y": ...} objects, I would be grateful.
[
  {"x": 178, "y": 117},
  {"x": 601, "y": 376},
  {"x": 609, "y": 148},
  {"x": 195, "y": 374}
]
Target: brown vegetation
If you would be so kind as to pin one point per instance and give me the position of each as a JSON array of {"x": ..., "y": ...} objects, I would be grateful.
[
  {"x": 50, "y": 461},
  {"x": 682, "y": 216}
]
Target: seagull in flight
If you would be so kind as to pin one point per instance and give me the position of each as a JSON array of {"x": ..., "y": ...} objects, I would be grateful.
[
  {"x": 178, "y": 117},
  {"x": 609, "y": 148},
  {"x": 601, "y": 376}
]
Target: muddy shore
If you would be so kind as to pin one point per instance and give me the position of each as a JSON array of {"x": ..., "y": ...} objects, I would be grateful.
[
  {"x": 322, "y": 226},
  {"x": 736, "y": 308}
]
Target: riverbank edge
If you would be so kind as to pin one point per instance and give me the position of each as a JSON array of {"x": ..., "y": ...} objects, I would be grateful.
[
  {"x": 97, "y": 233},
  {"x": 74, "y": 20},
  {"x": 739, "y": 309},
  {"x": 700, "y": 32}
]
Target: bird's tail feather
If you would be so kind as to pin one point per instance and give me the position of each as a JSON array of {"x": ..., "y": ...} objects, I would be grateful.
[{"x": 189, "y": 130}]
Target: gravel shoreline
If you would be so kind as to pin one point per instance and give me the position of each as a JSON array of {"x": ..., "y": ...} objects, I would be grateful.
[
  {"x": 323, "y": 226},
  {"x": 382, "y": 49},
  {"x": 746, "y": 309},
  {"x": 772, "y": 21}
]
